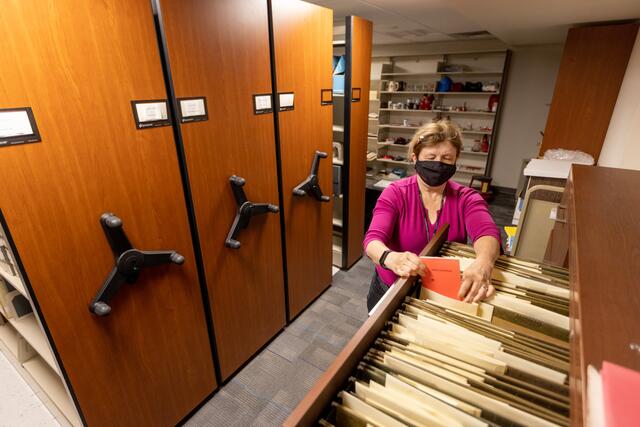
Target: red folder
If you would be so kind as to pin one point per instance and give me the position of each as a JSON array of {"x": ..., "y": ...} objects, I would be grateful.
[
  {"x": 620, "y": 389},
  {"x": 442, "y": 276}
]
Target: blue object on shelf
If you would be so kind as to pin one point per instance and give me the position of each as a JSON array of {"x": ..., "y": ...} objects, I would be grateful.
[
  {"x": 339, "y": 65},
  {"x": 400, "y": 172},
  {"x": 444, "y": 85},
  {"x": 338, "y": 84}
]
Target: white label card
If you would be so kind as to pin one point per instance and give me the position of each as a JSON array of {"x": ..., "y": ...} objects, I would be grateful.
[
  {"x": 262, "y": 102},
  {"x": 151, "y": 111},
  {"x": 286, "y": 100},
  {"x": 14, "y": 123},
  {"x": 192, "y": 107}
]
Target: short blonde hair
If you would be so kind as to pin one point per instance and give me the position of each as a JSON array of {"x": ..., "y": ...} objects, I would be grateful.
[{"x": 435, "y": 133}]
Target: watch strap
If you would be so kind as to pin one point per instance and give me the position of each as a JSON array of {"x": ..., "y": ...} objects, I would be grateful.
[{"x": 383, "y": 258}]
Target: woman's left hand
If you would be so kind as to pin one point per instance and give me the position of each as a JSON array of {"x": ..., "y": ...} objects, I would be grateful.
[{"x": 476, "y": 281}]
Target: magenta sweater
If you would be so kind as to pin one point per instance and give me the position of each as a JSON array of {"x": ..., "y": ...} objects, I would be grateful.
[{"x": 399, "y": 219}]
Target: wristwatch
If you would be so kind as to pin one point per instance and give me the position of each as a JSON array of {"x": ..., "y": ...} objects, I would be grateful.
[{"x": 383, "y": 258}]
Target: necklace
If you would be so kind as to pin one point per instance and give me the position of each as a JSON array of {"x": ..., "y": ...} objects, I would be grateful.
[{"x": 425, "y": 216}]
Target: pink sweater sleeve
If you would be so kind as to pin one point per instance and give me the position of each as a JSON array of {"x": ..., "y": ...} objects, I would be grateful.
[
  {"x": 477, "y": 218},
  {"x": 385, "y": 215}
]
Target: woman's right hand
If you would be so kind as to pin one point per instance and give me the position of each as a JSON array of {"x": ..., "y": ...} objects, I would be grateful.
[{"x": 404, "y": 264}]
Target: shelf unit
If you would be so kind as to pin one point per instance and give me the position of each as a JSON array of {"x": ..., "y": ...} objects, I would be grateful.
[
  {"x": 421, "y": 92},
  {"x": 26, "y": 345},
  {"x": 443, "y": 73},
  {"x": 338, "y": 163},
  {"x": 350, "y": 122},
  {"x": 420, "y": 71},
  {"x": 488, "y": 113},
  {"x": 14, "y": 281},
  {"x": 28, "y": 327},
  {"x": 52, "y": 387}
]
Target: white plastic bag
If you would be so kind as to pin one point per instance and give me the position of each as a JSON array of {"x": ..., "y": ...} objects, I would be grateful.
[{"x": 574, "y": 156}]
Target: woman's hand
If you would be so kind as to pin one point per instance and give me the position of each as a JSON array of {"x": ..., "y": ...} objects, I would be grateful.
[
  {"x": 476, "y": 281},
  {"x": 405, "y": 264}
]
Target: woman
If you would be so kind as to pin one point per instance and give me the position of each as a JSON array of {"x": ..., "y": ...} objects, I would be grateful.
[{"x": 410, "y": 210}]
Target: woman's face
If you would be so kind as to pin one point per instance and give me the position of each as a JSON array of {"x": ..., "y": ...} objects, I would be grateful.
[{"x": 443, "y": 152}]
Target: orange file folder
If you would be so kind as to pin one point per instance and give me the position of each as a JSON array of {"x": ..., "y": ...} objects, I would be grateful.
[{"x": 442, "y": 276}]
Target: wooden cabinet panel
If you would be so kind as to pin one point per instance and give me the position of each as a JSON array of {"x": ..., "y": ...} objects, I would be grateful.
[
  {"x": 220, "y": 50},
  {"x": 591, "y": 71},
  {"x": 303, "y": 34},
  {"x": 79, "y": 65},
  {"x": 604, "y": 232},
  {"x": 359, "y": 61}
]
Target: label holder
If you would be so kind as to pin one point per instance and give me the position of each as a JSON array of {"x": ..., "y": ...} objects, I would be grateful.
[
  {"x": 33, "y": 137},
  {"x": 355, "y": 94},
  {"x": 150, "y": 123},
  {"x": 262, "y": 103},
  {"x": 326, "y": 96},
  {"x": 286, "y": 103},
  {"x": 193, "y": 118}
]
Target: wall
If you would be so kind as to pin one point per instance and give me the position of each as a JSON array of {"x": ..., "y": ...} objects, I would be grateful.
[
  {"x": 529, "y": 89},
  {"x": 621, "y": 148}
]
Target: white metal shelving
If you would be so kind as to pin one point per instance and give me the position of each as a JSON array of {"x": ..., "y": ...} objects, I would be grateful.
[
  {"x": 28, "y": 345},
  {"x": 15, "y": 282},
  {"x": 29, "y": 329},
  {"x": 419, "y": 92},
  {"x": 476, "y": 122},
  {"x": 406, "y": 110},
  {"x": 53, "y": 387},
  {"x": 444, "y": 73}
]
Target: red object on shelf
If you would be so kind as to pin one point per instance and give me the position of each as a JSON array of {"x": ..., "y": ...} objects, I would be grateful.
[
  {"x": 493, "y": 100},
  {"x": 484, "y": 145}
]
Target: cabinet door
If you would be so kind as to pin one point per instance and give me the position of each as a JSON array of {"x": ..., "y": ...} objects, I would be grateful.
[
  {"x": 79, "y": 65},
  {"x": 303, "y": 35},
  {"x": 220, "y": 50},
  {"x": 359, "y": 33},
  {"x": 593, "y": 65}
]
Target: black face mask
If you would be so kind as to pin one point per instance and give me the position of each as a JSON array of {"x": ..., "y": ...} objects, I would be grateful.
[{"x": 434, "y": 173}]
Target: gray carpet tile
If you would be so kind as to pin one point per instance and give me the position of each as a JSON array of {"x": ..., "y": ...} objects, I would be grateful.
[
  {"x": 288, "y": 345},
  {"x": 297, "y": 384},
  {"x": 317, "y": 356},
  {"x": 271, "y": 415},
  {"x": 269, "y": 387}
]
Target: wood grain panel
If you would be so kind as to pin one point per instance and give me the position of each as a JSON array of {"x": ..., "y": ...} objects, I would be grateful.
[
  {"x": 220, "y": 49},
  {"x": 78, "y": 65},
  {"x": 325, "y": 389},
  {"x": 605, "y": 245},
  {"x": 303, "y": 35},
  {"x": 361, "y": 33},
  {"x": 591, "y": 72}
]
